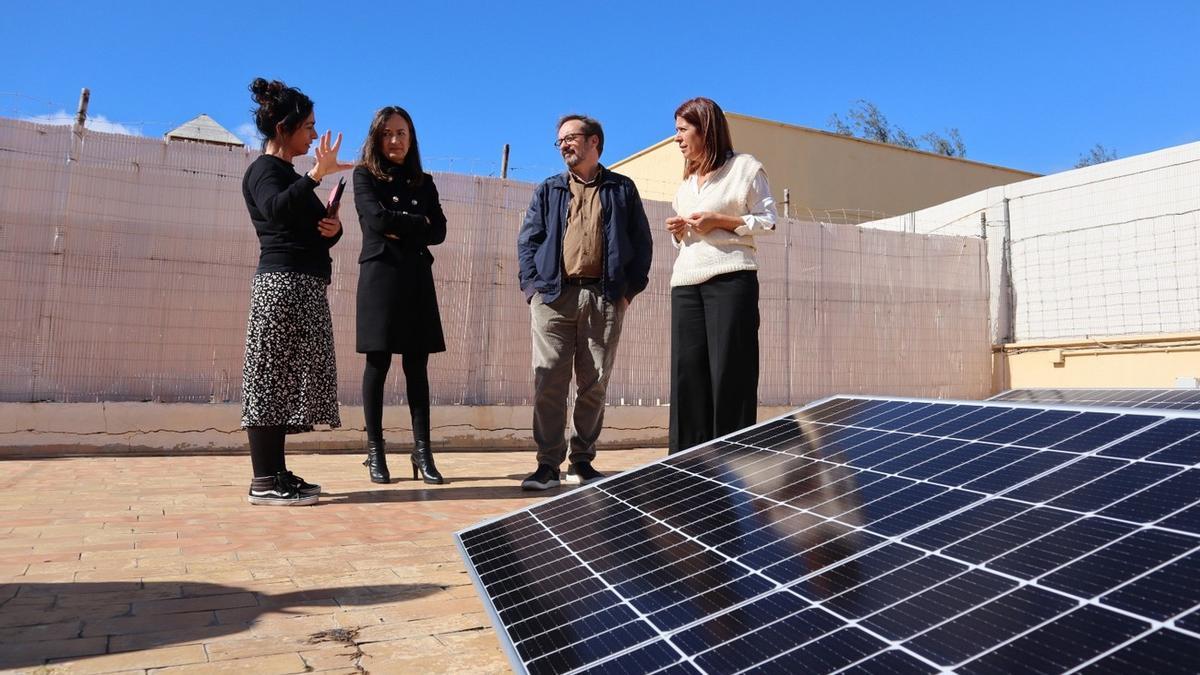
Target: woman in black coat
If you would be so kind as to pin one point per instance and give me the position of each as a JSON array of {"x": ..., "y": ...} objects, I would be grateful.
[{"x": 401, "y": 217}]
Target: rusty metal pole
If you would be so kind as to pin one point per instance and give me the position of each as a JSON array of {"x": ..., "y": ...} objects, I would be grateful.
[{"x": 80, "y": 120}]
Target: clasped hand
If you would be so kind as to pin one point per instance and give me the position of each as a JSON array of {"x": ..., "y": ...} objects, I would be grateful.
[
  {"x": 701, "y": 222},
  {"x": 329, "y": 227}
]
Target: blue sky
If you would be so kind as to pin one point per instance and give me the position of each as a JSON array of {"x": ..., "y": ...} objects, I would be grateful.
[{"x": 1031, "y": 85}]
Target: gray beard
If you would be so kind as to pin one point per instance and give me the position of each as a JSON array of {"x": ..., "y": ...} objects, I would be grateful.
[{"x": 572, "y": 160}]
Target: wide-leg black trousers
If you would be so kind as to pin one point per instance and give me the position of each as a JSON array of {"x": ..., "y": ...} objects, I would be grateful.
[{"x": 714, "y": 358}]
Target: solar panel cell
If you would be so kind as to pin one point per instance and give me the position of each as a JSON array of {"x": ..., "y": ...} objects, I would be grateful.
[
  {"x": 652, "y": 658},
  {"x": 980, "y": 466},
  {"x": 965, "y": 524},
  {"x": 1163, "y": 593},
  {"x": 1119, "y": 562},
  {"x": 856, "y": 571},
  {"x": 937, "y": 604},
  {"x": 825, "y": 655},
  {"x": 1114, "y": 487},
  {"x": 1032, "y": 422},
  {"x": 1006, "y": 535},
  {"x": 1163, "y": 652},
  {"x": 1185, "y": 452},
  {"x": 1065, "y": 479},
  {"x": 1105, "y": 433},
  {"x": 988, "y": 625},
  {"x": 1062, "y": 644},
  {"x": 754, "y": 648},
  {"x": 881, "y": 592},
  {"x": 892, "y": 661},
  {"x": 1019, "y": 471},
  {"x": 1158, "y": 501},
  {"x": 1060, "y": 547},
  {"x": 1154, "y": 439}
]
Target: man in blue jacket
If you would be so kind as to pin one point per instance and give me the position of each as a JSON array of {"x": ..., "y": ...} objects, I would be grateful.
[{"x": 584, "y": 252}]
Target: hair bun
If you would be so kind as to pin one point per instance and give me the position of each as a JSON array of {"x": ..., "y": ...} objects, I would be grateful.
[{"x": 264, "y": 92}]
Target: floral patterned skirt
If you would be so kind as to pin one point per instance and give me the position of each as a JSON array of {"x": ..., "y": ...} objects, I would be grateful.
[{"x": 290, "y": 375}]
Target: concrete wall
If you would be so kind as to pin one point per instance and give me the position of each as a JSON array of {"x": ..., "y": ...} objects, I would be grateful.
[{"x": 830, "y": 177}]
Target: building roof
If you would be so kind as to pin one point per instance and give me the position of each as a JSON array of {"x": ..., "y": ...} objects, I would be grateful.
[
  {"x": 797, "y": 129},
  {"x": 204, "y": 129}
]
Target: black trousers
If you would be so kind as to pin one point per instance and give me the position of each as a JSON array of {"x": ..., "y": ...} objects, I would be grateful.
[{"x": 714, "y": 358}]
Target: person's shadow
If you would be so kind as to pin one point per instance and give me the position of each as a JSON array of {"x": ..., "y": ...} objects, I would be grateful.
[
  {"x": 415, "y": 491},
  {"x": 42, "y": 621}
]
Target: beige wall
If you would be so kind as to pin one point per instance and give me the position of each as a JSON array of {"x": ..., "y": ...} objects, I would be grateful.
[
  {"x": 1113, "y": 362},
  {"x": 826, "y": 172}
]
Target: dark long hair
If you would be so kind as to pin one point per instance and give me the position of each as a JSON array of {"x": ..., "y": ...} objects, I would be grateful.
[
  {"x": 709, "y": 120},
  {"x": 278, "y": 104},
  {"x": 374, "y": 160}
]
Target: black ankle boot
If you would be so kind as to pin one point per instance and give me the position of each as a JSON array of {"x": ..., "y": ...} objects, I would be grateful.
[
  {"x": 376, "y": 462},
  {"x": 422, "y": 462}
]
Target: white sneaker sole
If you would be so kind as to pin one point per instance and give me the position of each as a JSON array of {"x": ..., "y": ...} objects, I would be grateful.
[{"x": 277, "y": 501}]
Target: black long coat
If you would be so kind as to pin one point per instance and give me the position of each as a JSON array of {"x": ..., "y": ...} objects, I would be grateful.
[{"x": 397, "y": 303}]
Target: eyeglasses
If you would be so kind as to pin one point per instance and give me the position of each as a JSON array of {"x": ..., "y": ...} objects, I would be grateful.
[{"x": 569, "y": 138}]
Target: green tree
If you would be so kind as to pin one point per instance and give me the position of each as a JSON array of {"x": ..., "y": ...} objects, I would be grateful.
[
  {"x": 866, "y": 120},
  {"x": 1097, "y": 155}
]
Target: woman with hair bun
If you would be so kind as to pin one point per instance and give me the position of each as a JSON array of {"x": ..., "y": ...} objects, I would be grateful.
[
  {"x": 722, "y": 206},
  {"x": 289, "y": 381},
  {"x": 401, "y": 217}
]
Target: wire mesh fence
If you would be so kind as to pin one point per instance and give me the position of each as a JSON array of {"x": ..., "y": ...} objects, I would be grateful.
[
  {"x": 1108, "y": 250},
  {"x": 128, "y": 262}
]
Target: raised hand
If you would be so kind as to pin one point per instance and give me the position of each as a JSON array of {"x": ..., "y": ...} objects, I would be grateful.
[{"x": 327, "y": 159}]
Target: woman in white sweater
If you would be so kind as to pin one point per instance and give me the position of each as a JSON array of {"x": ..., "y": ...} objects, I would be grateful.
[{"x": 723, "y": 204}]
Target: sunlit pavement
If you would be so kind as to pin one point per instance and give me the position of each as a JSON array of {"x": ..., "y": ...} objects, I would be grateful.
[{"x": 136, "y": 564}]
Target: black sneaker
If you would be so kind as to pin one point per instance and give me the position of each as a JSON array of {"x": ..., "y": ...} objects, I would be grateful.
[
  {"x": 278, "y": 490},
  {"x": 583, "y": 473},
  {"x": 544, "y": 478},
  {"x": 305, "y": 488}
]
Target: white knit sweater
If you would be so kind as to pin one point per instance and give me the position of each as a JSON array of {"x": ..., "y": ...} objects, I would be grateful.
[{"x": 704, "y": 256}]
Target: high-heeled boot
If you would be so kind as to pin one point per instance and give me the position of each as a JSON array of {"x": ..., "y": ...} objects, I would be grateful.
[
  {"x": 422, "y": 462},
  {"x": 376, "y": 462},
  {"x": 422, "y": 454}
]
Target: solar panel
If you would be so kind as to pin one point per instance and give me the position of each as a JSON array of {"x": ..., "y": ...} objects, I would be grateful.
[
  {"x": 865, "y": 535},
  {"x": 1166, "y": 399}
]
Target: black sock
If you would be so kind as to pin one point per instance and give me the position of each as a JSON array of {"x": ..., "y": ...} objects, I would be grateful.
[{"x": 266, "y": 450}]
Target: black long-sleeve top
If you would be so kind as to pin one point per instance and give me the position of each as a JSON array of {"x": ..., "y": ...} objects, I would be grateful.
[
  {"x": 285, "y": 212},
  {"x": 411, "y": 214}
]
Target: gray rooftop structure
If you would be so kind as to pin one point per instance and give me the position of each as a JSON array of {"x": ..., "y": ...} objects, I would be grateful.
[{"x": 204, "y": 129}]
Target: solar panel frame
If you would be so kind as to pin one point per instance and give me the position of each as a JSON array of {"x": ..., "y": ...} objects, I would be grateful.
[{"x": 907, "y": 415}]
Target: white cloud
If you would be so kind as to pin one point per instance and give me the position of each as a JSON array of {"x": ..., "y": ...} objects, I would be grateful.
[
  {"x": 249, "y": 134},
  {"x": 94, "y": 122}
]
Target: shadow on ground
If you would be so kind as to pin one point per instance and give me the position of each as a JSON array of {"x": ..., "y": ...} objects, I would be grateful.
[
  {"x": 42, "y": 621},
  {"x": 440, "y": 494}
]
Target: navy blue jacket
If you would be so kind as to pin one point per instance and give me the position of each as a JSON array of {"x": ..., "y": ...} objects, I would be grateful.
[{"x": 627, "y": 245}]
